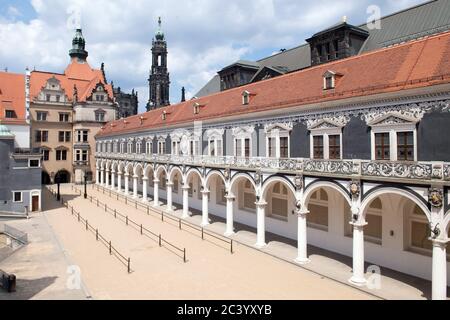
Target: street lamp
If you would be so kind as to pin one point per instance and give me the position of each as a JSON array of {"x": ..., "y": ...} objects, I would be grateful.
[{"x": 85, "y": 185}]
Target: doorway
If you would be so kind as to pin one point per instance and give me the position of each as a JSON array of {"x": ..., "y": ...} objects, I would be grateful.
[{"x": 34, "y": 203}]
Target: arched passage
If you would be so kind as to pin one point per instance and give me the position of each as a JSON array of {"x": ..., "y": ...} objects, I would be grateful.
[
  {"x": 45, "y": 178},
  {"x": 62, "y": 176}
]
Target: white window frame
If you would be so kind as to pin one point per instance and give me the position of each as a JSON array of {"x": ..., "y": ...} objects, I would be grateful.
[
  {"x": 149, "y": 147},
  {"x": 241, "y": 134},
  {"x": 216, "y": 137},
  {"x": 122, "y": 147},
  {"x": 277, "y": 132},
  {"x": 279, "y": 196},
  {"x": 326, "y": 133},
  {"x": 162, "y": 147},
  {"x": 14, "y": 196},
  {"x": 39, "y": 161},
  {"x": 393, "y": 130}
]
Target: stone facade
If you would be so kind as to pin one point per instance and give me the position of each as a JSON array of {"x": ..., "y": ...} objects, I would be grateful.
[{"x": 127, "y": 103}]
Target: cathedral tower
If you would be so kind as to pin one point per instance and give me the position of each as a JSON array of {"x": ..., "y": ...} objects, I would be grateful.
[{"x": 159, "y": 76}]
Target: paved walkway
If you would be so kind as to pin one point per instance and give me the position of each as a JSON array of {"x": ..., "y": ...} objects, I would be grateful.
[
  {"x": 211, "y": 271},
  {"x": 394, "y": 285},
  {"x": 41, "y": 266}
]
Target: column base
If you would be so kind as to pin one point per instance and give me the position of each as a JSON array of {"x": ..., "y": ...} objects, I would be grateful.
[
  {"x": 229, "y": 234},
  {"x": 302, "y": 261},
  {"x": 144, "y": 200},
  {"x": 260, "y": 245},
  {"x": 359, "y": 282},
  {"x": 205, "y": 224},
  {"x": 185, "y": 216}
]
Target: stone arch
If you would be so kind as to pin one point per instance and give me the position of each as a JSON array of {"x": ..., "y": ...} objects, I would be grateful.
[
  {"x": 147, "y": 170},
  {"x": 98, "y": 164},
  {"x": 377, "y": 192},
  {"x": 121, "y": 167},
  {"x": 275, "y": 179},
  {"x": 114, "y": 166},
  {"x": 320, "y": 184},
  {"x": 211, "y": 175},
  {"x": 237, "y": 177},
  {"x": 129, "y": 169},
  {"x": 159, "y": 169},
  {"x": 191, "y": 172},
  {"x": 138, "y": 170},
  {"x": 103, "y": 165},
  {"x": 108, "y": 165},
  {"x": 173, "y": 172}
]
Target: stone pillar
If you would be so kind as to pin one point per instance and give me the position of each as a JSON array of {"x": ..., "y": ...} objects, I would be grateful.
[
  {"x": 302, "y": 239},
  {"x": 230, "y": 218},
  {"x": 169, "y": 196},
  {"x": 135, "y": 186},
  {"x": 127, "y": 187},
  {"x": 97, "y": 179},
  {"x": 107, "y": 178},
  {"x": 119, "y": 182},
  {"x": 185, "y": 201},
  {"x": 261, "y": 216},
  {"x": 439, "y": 278},
  {"x": 358, "y": 254},
  {"x": 205, "y": 209},
  {"x": 102, "y": 177},
  {"x": 113, "y": 180},
  {"x": 144, "y": 189},
  {"x": 155, "y": 192}
]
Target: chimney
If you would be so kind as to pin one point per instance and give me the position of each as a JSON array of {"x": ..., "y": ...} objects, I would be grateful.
[{"x": 183, "y": 94}]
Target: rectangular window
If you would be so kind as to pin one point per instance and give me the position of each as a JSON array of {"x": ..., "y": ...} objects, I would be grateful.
[
  {"x": 162, "y": 147},
  {"x": 81, "y": 155},
  {"x": 61, "y": 136},
  {"x": 100, "y": 117},
  {"x": 238, "y": 151},
  {"x": 247, "y": 148},
  {"x": 284, "y": 147},
  {"x": 10, "y": 114},
  {"x": 272, "y": 147},
  {"x": 46, "y": 155},
  {"x": 61, "y": 155},
  {"x": 58, "y": 98},
  {"x": 34, "y": 163},
  {"x": 41, "y": 116},
  {"x": 48, "y": 97},
  {"x": 219, "y": 151},
  {"x": 82, "y": 135},
  {"x": 41, "y": 136},
  {"x": 382, "y": 146},
  {"x": 318, "y": 147},
  {"x": 17, "y": 196},
  {"x": 63, "y": 117},
  {"x": 212, "y": 149},
  {"x": 335, "y": 147},
  {"x": 405, "y": 146}
]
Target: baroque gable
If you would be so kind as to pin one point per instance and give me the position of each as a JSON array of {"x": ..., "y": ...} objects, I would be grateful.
[
  {"x": 337, "y": 122},
  {"x": 395, "y": 118},
  {"x": 243, "y": 131}
]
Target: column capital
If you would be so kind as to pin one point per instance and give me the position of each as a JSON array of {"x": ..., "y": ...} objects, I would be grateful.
[
  {"x": 230, "y": 197},
  {"x": 303, "y": 212},
  {"x": 440, "y": 243},
  {"x": 185, "y": 188},
  {"x": 170, "y": 184},
  {"x": 156, "y": 181},
  {"x": 119, "y": 173},
  {"x": 206, "y": 191},
  {"x": 127, "y": 174},
  {"x": 144, "y": 178},
  {"x": 135, "y": 176},
  {"x": 261, "y": 204},
  {"x": 359, "y": 224}
]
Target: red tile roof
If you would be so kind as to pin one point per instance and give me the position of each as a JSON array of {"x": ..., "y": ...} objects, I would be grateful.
[
  {"x": 12, "y": 97},
  {"x": 420, "y": 63},
  {"x": 79, "y": 74}
]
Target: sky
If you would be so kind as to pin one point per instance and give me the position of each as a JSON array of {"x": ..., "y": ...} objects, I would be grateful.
[{"x": 203, "y": 36}]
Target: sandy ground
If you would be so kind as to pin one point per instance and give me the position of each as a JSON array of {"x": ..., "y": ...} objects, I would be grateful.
[{"x": 210, "y": 273}]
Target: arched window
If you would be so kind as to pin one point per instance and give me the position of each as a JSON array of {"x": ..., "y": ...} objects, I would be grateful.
[
  {"x": 318, "y": 207},
  {"x": 373, "y": 232},
  {"x": 418, "y": 230},
  {"x": 220, "y": 192}
]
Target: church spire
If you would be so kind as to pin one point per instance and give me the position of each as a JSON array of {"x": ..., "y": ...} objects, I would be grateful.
[
  {"x": 159, "y": 34},
  {"x": 78, "y": 50}
]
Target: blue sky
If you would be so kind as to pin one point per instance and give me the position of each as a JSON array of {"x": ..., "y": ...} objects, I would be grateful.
[{"x": 203, "y": 35}]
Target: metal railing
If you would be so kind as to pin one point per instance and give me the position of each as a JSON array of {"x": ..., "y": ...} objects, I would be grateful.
[
  {"x": 99, "y": 237},
  {"x": 166, "y": 216},
  {"x": 14, "y": 234},
  {"x": 139, "y": 227}
]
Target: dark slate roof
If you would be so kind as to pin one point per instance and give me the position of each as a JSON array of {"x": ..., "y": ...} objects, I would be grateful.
[
  {"x": 213, "y": 86},
  {"x": 425, "y": 19},
  {"x": 342, "y": 25},
  {"x": 244, "y": 63}
]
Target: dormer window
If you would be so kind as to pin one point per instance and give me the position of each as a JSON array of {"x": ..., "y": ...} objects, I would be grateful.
[
  {"x": 329, "y": 80},
  {"x": 196, "y": 108},
  {"x": 245, "y": 98}
]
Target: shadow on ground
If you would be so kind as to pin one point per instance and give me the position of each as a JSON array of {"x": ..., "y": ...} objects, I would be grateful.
[{"x": 27, "y": 289}]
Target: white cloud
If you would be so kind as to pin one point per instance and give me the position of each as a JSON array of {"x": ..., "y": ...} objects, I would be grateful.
[{"x": 203, "y": 35}]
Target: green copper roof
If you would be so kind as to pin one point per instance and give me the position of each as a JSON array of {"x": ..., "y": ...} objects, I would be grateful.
[
  {"x": 5, "y": 132},
  {"x": 159, "y": 34}
]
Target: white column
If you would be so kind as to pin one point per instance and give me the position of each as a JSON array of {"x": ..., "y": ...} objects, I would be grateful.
[
  {"x": 113, "y": 180},
  {"x": 155, "y": 192},
  {"x": 102, "y": 177},
  {"x": 144, "y": 189},
  {"x": 169, "y": 196},
  {"x": 302, "y": 257},
  {"x": 97, "y": 179},
  {"x": 107, "y": 178},
  {"x": 358, "y": 254},
  {"x": 127, "y": 187},
  {"x": 261, "y": 223},
  {"x": 230, "y": 219},
  {"x": 185, "y": 201},
  {"x": 119, "y": 182},
  {"x": 205, "y": 209},
  {"x": 135, "y": 186},
  {"x": 439, "y": 278}
]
